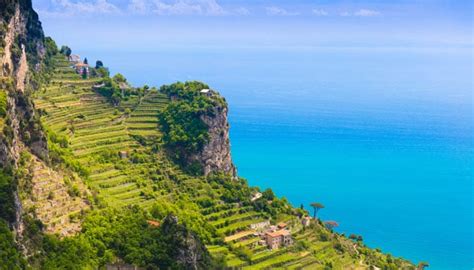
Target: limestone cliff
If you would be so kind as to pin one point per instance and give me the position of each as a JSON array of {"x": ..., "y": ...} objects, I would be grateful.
[
  {"x": 215, "y": 155},
  {"x": 21, "y": 135},
  {"x": 22, "y": 40},
  {"x": 195, "y": 128}
]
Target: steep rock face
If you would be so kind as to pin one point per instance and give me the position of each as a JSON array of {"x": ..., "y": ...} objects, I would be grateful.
[
  {"x": 21, "y": 29},
  {"x": 186, "y": 250},
  {"x": 22, "y": 43},
  {"x": 22, "y": 40},
  {"x": 215, "y": 156}
]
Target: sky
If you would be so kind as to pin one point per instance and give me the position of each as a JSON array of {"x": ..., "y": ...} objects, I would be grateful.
[{"x": 146, "y": 24}]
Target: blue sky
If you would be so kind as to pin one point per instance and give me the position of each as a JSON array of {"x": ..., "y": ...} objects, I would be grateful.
[{"x": 146, "y": 24}]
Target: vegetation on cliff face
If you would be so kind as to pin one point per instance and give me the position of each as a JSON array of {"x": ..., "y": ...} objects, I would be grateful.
[
  {"x": 184, "y": 131},
  {"x": 128, "y": 234},
  {"x": 10, "y": 256},
  {"x": 7, "y": 200},
  {"x": 3, "y": 103}
]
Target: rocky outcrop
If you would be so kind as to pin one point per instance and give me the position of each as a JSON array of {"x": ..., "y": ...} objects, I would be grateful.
[
  {"x": 23, "y": 123},
  {"x": 22, "y": 46},
  {"x": 23, "y": 31},
  {"x": 185, "y": 247},
  {"x": 215, "y": 156}
]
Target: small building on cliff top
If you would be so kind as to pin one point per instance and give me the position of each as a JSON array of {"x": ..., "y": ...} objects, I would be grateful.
[{"x": 206, "y": 92}]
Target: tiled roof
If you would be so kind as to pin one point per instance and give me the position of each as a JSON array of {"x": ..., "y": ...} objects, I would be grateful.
[{"x": 278, "y": 233}]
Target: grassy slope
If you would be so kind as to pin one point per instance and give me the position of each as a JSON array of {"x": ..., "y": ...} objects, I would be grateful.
[{"x": 97, "y": 131}]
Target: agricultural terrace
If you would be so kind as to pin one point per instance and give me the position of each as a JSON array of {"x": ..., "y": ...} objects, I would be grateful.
[{"x": 117, "y": 151}]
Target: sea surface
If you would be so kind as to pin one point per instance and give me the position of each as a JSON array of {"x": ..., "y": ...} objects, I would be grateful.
[{"x": 383, "y": 137}]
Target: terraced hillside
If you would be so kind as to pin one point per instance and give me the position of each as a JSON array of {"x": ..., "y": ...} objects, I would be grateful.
[
  {"x": 57, "y": 199},
  {"x": 234, "y": 222},
  {"x": 93, "y": 127},
  {"x": 143, "y": 121},
  {"x": 121, "y": 150}
]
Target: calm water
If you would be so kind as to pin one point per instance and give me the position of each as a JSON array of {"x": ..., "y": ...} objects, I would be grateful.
[{"x": 384, "y": 138}]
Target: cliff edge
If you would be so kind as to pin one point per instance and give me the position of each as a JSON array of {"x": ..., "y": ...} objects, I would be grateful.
[{"x": 196, "y": 129}]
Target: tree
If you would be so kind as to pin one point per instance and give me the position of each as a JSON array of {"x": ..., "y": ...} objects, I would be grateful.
[
  {"x": 356, "y": 237},
  {"x": 119, "y": 78},
  {"x": 84, "y": 73},
  {"x": 3, "y": 103},
  {"x": 50, "y": 45},
  {"x": 268, "y": 194},
  {"x": 7, "y": 200},
  {"x": 316, "y": 207},
  {"x": 65, "y": 50},
  {"x": 102, "y": 72},
  {"x": 10, "y": 256},
  {"x": 99, "y": 64},
  {"x": 331, "y": 224},
  {"x": 85, "y": 61}
]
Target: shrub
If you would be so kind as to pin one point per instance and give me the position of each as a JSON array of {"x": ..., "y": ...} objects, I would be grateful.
[
  {"x": 3, "y": 103},
  {"x": 7, "y": 200},
  {"x": 10, "y": 256}
]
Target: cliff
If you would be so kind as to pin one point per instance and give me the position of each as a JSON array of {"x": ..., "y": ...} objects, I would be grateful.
[
  {"x": 215, "y": 155},
  {"x": 21, "y": 39},
  {"x": 196, "y": 130},
  {"x": 23, "y": 47}
]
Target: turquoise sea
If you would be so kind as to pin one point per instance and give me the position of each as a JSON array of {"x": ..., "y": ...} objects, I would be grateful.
[{"x": 383, "y": 137}]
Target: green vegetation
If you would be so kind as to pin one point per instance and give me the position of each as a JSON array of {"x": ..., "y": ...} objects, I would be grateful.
[
  {"x": 10, "y": 256},
  {"x": 184, "y": 131},
  {"x": 65, "y": 50},
  {"x": 118, "y": 235},
  {"x": 3, "y": 103},
  {"x": 7, "y": 200},
  {"x": 115, "y": 89}
]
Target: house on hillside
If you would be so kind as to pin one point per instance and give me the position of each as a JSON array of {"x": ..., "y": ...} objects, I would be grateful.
[
  {"x": 74, "y": 58},
  {"x": 80, "y": 67},
  {"x": 277, "y": 239}
]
